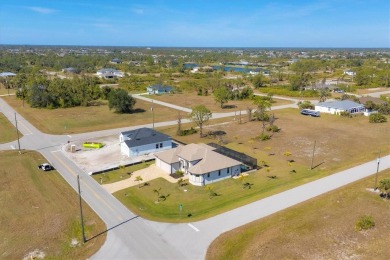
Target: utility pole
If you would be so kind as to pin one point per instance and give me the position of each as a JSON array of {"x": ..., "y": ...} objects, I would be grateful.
[
  {"x": 312, "y": 157},
  {"x": 81, "y": 210},
  {"x": 378, "y": 160},
  {"x": 17, "y": 133}
]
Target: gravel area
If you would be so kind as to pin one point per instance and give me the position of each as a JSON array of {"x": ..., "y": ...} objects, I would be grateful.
[{"x": 107, "y": 157}]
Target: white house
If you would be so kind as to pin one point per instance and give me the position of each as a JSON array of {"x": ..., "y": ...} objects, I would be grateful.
[
  {"x": 109, "y": 73},
  {"x": 202, "y": 164},
  {"x": 350, "y": 73},
  {"x": 159, "y": 89},
  {"x": 336, "y": 107},
  {"x": 7, "y": 74},
  {"x": 143, "y": 141}
]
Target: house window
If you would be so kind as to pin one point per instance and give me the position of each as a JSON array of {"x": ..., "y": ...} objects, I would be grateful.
[
  {"x": 156, "y": 146},
  {"x": 219, "y": 173},
  {"x": 228, "y": 170},
  {"x": 208, "y": 175},
  {"x": 161, "y": 145}
]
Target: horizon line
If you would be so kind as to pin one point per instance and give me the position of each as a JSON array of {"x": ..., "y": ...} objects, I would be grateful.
[{"x": 191, "y": 47}]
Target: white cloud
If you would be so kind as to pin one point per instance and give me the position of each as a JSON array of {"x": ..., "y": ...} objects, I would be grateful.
[{"x": 41, "y": 10}]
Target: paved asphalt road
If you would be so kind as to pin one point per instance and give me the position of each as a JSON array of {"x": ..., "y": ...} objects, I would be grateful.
[{"x": 130, "y": 236}]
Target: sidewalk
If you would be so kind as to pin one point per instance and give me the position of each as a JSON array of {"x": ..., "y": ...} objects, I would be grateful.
[{"x": 147, "y": 174}]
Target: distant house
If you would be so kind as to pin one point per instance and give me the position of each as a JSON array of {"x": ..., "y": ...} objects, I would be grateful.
[
  {"x": 200, "y": 162},
  {"x": 109, "y": 73},
  {"x": 71, "y": 70},
  {"x": 349, "y": 73},
  {"x": 115, "y": 61},
  {"x": 336, "y": 107},
  {"x": 7, "y": 74},
  {"x": 143, "y": 141},
  {"x": 159, "y": 89}
]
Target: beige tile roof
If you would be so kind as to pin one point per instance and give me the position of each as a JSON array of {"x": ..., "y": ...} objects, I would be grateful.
[
  {"x": 212, "y": 161},
  {"x": 209, "y": 160},
  {"x": 168, "y": 156}
]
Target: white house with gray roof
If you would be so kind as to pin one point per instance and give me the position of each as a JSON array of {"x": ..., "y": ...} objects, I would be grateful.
[
  {"x": 200, "y": 162},
  {"x": 109, "y": 73},
  {"x": 143, "y": 141},
  {"x": 336, "y": 107}
]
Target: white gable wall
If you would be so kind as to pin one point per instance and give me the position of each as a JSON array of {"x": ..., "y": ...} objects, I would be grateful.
[
  {"x": 205, "y": 179},
  {"x": 150, "y": 148}
]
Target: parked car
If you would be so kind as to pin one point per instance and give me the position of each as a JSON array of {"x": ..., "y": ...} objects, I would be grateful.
[
  {"x": 45, "y": 167},
  {"x": 309, "y": 112}
]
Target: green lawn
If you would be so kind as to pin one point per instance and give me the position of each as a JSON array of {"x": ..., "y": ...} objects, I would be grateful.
[
  {"x": 7, "y": 130},
  {"x": 197, "y": 201},
  {"x": 120, "y": 174},
  {"x": 39, "y": 210}
]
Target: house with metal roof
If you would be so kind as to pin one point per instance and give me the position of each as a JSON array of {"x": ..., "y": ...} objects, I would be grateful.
[
  {"x": 159, "y": 89},
  {"x": 336, "y": 107},
  {"x": 7, "y": 74},
  {"x": 200, "y": 162},
  {"x": 143, "y": 141},
  {"x": 109, "y": 73}
]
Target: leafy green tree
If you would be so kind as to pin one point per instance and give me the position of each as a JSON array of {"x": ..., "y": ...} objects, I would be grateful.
[
  {"x": 324, "y": 94},
  {"x": 305, "y": 105},
  {"x": 221, "y": 95},
  {"x": 121, "y": 101},
  {"x": 105, "y": 92},
  {"x": 259, "y": 81},
  {"x": 200, "y": 115}
]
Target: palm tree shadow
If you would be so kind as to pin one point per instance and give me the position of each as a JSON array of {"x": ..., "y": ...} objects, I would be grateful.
[{"x": 105, "y": 231}]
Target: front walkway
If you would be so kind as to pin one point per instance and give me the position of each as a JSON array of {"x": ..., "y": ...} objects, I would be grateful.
[{"x": 147, "y": 174}]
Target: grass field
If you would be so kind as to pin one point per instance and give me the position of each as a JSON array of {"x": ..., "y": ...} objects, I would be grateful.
[
  {"x": 7, "y": 130},
  {"x": 87, "y": 119},
  {"x": 340, "y": 142},
  {"x": 321, "y": 228},
  {"x": 39, "y": 211},
  {"x": 191, "y": 99},
  {"x": 4, "y": 91}
]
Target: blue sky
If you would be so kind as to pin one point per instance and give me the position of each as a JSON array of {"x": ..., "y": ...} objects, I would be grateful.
[{"x": 197, "y": 23}]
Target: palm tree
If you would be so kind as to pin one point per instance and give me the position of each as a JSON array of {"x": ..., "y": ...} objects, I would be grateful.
[{"x": 139, "y": 179}]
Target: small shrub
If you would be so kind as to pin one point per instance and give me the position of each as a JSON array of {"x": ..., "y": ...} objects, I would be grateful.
[
  {"x": 273, "y": 128},
  {"x": 377, "y": 118},
  {"x": 364, "y": 223},
  {"x": 187, "y": 132},
  {"x": 264, "y": 137},
  {"x": 345, "y": 114}
]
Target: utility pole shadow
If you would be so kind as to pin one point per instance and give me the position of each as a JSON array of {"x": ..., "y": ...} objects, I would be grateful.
[{"x": 105, "y": 231}]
